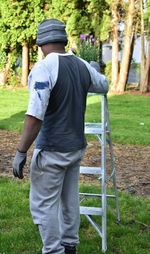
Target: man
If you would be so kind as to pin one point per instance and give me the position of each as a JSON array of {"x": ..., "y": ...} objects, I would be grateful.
[{"x": 55, "y": 118}]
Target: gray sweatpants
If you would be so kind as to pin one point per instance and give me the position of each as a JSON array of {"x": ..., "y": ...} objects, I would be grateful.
[{"x": 54, "y": 199}]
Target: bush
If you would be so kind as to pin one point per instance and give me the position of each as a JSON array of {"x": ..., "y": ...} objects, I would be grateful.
[
  {"x": 14, "y": 77},
  {"x": 88, "y": 52},
  {"x": 3, "y": 59},
  {"x": 108, "y": 70}
]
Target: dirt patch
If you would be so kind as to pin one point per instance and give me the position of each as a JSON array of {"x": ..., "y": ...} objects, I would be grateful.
[{"x": 132, "y": 163}]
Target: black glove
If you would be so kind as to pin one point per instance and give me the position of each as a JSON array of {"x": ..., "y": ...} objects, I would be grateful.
[{"x": 18, "y": 164}]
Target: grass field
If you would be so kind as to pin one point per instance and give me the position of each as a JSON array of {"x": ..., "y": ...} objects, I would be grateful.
[
  {"x": 20, "y": 236},
  {"x": 130, "y": 123},
  {"x": 129, "y": 114},
  {"x": 129, "y": 117},
  {"x": 13, "y": 104}
]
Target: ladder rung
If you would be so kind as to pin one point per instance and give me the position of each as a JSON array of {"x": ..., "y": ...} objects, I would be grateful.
[
  {"x": 90, "y": 210},
  {"x": 95, "y": 195},
  {"x": 90, "y": 170},
  {"x": 93, "y": 128}
]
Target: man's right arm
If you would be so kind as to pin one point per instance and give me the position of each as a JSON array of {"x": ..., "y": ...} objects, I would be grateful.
[{"x": 99, "y": 83}]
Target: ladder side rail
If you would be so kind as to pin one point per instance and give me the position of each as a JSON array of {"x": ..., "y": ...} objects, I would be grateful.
[
  {"x": 113, "y": 168},
  {"x": 103, "y": 167}
]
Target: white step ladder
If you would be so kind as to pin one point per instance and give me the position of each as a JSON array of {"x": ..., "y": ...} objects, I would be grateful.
[{"x": 103, "y": 134}]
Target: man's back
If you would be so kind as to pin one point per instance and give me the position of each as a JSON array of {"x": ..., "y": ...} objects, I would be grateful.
[{"x": 63, "y": 125}]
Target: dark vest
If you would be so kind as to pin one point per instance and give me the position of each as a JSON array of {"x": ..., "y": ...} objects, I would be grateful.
[{"x": 63, "y": 126}]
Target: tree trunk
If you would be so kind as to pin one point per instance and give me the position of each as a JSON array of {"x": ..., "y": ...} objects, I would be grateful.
[
  {"x": 25, "y": 64},
  {"x": 143, "y": 57},
  {"x": 40, "y": 54},
  {"x": 3, "y": 76},
  {"x": 127, "y": 47},
  {"x": 145, "y": 86},
  {"x": 114, "y": 47}
]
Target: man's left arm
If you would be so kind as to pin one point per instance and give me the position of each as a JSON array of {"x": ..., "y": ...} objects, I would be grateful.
[
  {"x": 32, "y": 126},
  {"x": 40, "y": 86}
]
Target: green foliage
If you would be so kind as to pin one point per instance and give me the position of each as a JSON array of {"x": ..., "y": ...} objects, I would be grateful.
[
  {"x": 33, "y": 55},
  {"x": 88, "y": 52},
  {"x": 18, "y": 24},
  {"x": 56, "y": 9},
  {"x": 80, "y": 16},
  {"x": 96, "y": 9},
  {"x": 19, "y": 20},
  {"x": 74, "y": 14},
  {"x": 14, "y": 77},
  {"x": 147, "y": 18},
  {"x": 108, "y": 71},
  {"x": 3, "y": 59},
  {"x": 77, "y": 24},
  {"x": 105, "y": 26}
]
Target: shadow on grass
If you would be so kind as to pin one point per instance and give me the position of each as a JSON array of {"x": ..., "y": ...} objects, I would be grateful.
[{"x": 14, "y": 122}]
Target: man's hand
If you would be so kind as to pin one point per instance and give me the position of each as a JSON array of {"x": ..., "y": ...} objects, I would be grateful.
[
  {"x": 18, "y": 164},
  {"x": 32, "y": 126}
]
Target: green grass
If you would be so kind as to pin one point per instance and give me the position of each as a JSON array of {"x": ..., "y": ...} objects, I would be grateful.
[
  {"x": 20, "y": 236},
  {"x": 129, "y": 117},
  {"x": 18, "y": 233},
  {"x": 13, "y": 105},
  {"x": 127, "y": 114}
]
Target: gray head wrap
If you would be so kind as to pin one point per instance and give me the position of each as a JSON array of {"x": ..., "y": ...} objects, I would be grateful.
[{"x": 50, "y": 31}]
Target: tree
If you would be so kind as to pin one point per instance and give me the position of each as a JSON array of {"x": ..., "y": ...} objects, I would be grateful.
[
  {"x": 127, "y": 47},
  {"x": 19, "y": 20},
  {"x": 143, "y": 57},
  {"x": 100, "y": 24},
  {"x": 123, "y": 14},
  {"x": 74, "y": 14},
  {"x": 115, "y": 45},
  {"x": 145, "y": 60},
  {"x": 80, "y": 16}
]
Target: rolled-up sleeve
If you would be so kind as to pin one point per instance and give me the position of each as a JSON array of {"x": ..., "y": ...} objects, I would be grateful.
[
  {"x": 99, "y": 83},
  {"x": 40, "y": 87}
]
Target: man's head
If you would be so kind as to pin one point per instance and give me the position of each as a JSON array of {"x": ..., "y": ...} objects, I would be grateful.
[
  {"x": 51, "y": 36},
  {"x": 51, "y": 31}
]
